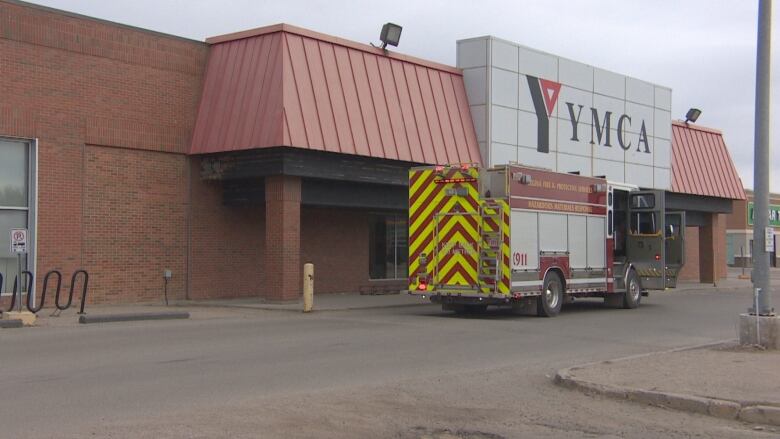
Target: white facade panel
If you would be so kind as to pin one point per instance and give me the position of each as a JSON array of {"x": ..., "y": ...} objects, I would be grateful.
[
  {"x": 578, "y": 241},
  {"x": 575, "y": 74},
  {"x": 616, "y": 107},
  {"x": 567, "y": 145},
  {"x": 527, "y": 128},
  {"x": 639, "y": 175},
  {"x": 662, "y": 178},
  {"x": 640, "y": 92},
  {"x": 504, "y": 88},
  {"x": 539, "y": 64},
  {"x": 476, "y": 85},
  {"x": 613, "y": 171},
  {"x": 524, "y": 101},
  {"x": 504, "y": 125},
  {"x": 663, "y": 130},
  {"x": 574, "y": 163},
  {"x": 596, "y": 242},
  {"x": 504, "y": 54},
  {"x": 501, "y": 154},
  {"x": 639, "y": 113},
  {"x": 609, "y": 84},
  {"x": 472, "y": 53},
  {"x": 639, "y": 153},
  {"x": 525, "y": 238},
  {"x": 601, "y": 150},
  {"x": 663, "y": 98},
  {"x": 581, "y": 101},
  {"x": 662, "y": 153},
  {"x": 551, "y": 238},
  {"x": 531, "y": 157},
  {"x": 480, "y": 119}
]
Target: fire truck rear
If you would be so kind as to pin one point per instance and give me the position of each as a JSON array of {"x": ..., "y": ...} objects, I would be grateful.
[{"x": 520, "y": 236}]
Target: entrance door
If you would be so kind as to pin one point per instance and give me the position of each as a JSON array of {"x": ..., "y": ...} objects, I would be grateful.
[
  {"x": 645, "y": 241},
  {"x": 674, "y": 234}
]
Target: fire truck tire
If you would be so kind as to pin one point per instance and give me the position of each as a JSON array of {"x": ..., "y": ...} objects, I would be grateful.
[
  {"x": 633, "y": 294},
  {"x": 549, "y": 303}
]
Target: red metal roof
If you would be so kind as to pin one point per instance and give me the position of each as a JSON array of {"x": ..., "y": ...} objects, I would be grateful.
[
  {"x": 701, "y": 164},
  {"x": 285, "y": 86}
]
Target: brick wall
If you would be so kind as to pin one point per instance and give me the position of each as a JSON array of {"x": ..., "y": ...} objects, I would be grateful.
[
  {"x": 106, "y": 103},
  {"x": 134, "y": 224},
  {"x": 336, "y": 242},
  {"x": 227, "y": 244},
  {"x": 690, "y": 271}
]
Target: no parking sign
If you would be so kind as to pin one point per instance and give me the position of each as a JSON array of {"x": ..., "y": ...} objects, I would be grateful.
[{"x": 18, "y": 241}]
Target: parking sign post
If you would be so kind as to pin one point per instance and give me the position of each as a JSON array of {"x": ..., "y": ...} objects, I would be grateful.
[{"x": 19, "y": 246}]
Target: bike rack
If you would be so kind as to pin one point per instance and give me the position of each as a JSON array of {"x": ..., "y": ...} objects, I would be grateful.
[
  {"x": 59, "y": 306},
  {"x": 84, "y": 288},
  {"x": 30, "y": 302},
  {"x": 16, "y": 287}
]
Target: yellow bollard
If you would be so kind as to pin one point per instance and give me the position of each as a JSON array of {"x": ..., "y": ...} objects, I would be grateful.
[{"x": 308, "y": 287}]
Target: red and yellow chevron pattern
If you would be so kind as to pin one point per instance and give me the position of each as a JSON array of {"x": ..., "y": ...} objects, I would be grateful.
[{"x": 445, "y": 227}]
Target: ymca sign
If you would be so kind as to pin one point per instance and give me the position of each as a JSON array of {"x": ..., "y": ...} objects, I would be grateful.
[
  {"x": 542, "y": 110},
  {"x": 544, "y": 94}
]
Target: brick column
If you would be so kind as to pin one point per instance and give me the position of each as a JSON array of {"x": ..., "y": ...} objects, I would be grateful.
[
  {"x": 282, "y": 238},
  {"x": 712, "y": 249}
]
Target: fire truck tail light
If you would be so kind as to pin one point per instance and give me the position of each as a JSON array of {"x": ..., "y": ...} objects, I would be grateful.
[
  {"x": 422, "y": 287},
  {"x": 657, "y": 257}
]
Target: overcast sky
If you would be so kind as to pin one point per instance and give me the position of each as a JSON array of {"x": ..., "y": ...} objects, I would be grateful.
[{"x": 703, "y": 49}]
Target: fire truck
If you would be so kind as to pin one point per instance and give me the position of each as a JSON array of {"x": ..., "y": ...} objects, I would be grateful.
[{"x": 523, "y": 237}]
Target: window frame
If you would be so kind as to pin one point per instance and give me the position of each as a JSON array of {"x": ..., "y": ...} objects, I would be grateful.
[{"x": 30, "y": 261}]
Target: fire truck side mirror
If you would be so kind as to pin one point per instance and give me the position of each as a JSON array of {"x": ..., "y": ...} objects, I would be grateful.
[{"x": 669, "y": 231}]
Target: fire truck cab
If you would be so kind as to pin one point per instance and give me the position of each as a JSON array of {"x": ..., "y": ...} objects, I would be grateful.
[{"x": 519, "y": 236}]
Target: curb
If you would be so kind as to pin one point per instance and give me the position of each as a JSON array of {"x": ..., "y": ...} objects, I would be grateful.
[
  {"x": 746, "y": 411},
  {"x": 134, "y": 317},
  {"x": 11, "y": 323},
  {"x": 300, "y": 309}
]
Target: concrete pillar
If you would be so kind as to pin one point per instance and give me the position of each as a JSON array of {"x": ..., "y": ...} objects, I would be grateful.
[
  {"x": 712, "y": 249},
  {"x": 282, "y": 238}
]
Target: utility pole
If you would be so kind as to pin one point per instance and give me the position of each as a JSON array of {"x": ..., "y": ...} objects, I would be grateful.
[{"x": 761, "y": 161}]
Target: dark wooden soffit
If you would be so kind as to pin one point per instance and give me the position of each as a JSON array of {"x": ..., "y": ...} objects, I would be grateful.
[
  {"x": 688, "y": 202},
  {"x": 261, "y": 163},
  {"x": 322, "y": 193}
]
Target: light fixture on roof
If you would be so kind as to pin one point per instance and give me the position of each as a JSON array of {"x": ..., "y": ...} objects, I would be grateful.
[
  {"x": 692, "y": 115},
  {"x": 391, "y": 34}
]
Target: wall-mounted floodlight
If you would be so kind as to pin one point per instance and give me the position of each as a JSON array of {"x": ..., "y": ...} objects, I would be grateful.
[
  {"x": 391, "y": 34},
  {"x": 692, "y": 115}
]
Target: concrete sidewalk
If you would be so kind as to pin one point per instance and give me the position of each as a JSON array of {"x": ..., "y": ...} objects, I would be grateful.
[
  {"x": 723, "y": 380},
  {"x": 323, "y": 302}
]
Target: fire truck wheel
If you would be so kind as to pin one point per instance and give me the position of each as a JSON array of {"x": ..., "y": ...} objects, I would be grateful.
[
  {"x": 549, "y": 303},
  {"x": 633, "y": 294}
]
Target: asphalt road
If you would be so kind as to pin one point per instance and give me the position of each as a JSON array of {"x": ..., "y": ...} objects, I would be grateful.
[{"x": 398, "y": 372}]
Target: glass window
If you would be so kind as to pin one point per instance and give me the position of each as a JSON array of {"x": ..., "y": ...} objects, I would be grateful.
[
  {"x": 388, "y": 247},
  {"x": 14, "y": 204},
  {"x": 643, "y": 223},
  {"x": 14, "y": 165},
  {"x": 642, "y": 201}
]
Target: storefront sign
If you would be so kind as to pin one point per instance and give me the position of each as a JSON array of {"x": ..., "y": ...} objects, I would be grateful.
[
  {"x": 538, "y": 109},
  {"x": 774, "y": 214}
]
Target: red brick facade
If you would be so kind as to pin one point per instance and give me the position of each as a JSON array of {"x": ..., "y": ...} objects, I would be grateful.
[{"x": 112, "y": 108}]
